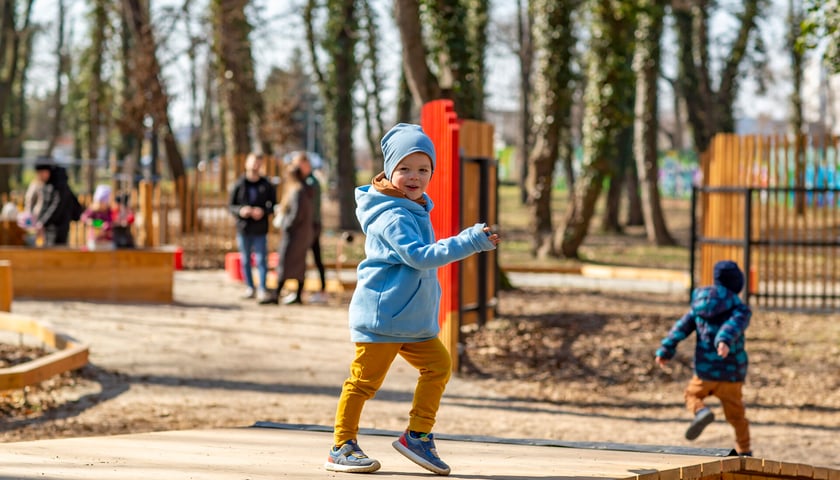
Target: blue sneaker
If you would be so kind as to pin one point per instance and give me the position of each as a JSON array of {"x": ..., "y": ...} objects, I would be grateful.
[
  {"x": 351, "y": 459},
  {"x": 421, "y": 450}
]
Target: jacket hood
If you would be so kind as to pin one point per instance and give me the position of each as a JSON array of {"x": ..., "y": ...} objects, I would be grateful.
[
  {"x": 711, "y": 302},
  {"x": 370, "y": 204}
]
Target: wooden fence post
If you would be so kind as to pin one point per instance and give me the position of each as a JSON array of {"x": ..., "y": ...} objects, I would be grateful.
[
  {"x": 6, "y": 286},
  {"x": 146, "y": 213}
]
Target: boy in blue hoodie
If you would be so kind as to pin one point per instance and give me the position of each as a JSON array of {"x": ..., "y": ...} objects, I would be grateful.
[
  {"x": 720, "y": 360},
  {"x": 394, "y": 309}
]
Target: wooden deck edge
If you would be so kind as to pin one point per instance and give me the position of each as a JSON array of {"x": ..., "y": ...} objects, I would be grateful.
[{"x": 71, "y": 355}]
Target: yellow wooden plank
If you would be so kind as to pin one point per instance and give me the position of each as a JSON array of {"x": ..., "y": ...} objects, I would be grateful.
[{"x": 70, "y": 356}]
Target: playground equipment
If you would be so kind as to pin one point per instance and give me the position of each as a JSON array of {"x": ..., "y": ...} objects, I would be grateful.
[{"x": 464, "y": 190}]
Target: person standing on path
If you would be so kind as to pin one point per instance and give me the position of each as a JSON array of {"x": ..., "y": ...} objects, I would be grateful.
[
  {"x": 394, "y": 308},
  {"x": 303, "y": 162},
  {"x": 719, "y": 318},
  {"x": 59, "y": 205},
  {"x": 251, "y": 200},
  {"x": 295, "y": 211}
]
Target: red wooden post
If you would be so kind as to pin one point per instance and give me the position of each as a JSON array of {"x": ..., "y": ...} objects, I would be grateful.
[{"x": 440, "y": 122}]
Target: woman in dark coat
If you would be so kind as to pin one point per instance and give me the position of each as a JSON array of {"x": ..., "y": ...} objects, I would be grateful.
[{"x": 297, "y": 210}]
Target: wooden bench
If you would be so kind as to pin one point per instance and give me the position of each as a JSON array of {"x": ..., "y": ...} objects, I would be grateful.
[{"x": 141, "y": 275}]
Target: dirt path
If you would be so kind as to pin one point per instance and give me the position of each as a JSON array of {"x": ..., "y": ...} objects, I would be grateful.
[{"x": 211, "y": 360}]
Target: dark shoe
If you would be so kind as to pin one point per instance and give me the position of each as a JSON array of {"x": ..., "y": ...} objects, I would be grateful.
[
  {"x": 269, "y": 299},
  {"x": 422, "y": 451},
  {"x": 291, "y": 299},
  {"x": 734, "y": 453},
  {"x": 702, "y": 419}
]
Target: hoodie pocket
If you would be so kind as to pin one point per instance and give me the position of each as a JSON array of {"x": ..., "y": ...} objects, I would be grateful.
[{"x": 411, "y": 316}]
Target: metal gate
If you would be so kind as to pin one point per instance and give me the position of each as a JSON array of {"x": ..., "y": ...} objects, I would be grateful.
[{"x": 789, "y": 246}]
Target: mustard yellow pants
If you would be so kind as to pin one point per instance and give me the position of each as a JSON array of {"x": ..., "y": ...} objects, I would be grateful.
[
  {"x": 368, "y": 370},
  {"x": 731, "y": 400}
]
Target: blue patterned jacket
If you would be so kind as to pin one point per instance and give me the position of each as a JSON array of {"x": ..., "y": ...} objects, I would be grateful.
[{"x": 717, "y": 315}]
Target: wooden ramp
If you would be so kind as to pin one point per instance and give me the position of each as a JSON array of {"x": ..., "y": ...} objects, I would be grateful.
[{"x": 270, "y": 451}]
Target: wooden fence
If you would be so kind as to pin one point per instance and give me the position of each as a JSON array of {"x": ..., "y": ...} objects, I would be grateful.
[{"x": 773, "y": 205}]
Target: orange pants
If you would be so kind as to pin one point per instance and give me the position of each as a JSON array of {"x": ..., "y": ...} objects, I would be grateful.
[
  {"x": 368, "y": 370},
  {"x": 729, "y": 394}
]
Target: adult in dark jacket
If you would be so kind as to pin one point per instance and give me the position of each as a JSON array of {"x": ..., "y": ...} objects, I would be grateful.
[
  {"x": 296, "y": 209},
  {"x": 251, "y": 201},
  {"x": 57, "y": 203}
]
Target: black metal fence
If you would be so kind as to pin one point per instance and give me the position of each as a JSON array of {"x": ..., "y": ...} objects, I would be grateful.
[{"x": 789, "y": 246}]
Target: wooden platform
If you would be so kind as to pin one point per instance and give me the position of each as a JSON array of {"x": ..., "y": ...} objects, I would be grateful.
[
  {"x": 299, "y": 452},
  {"x": 131, "y": 275}
]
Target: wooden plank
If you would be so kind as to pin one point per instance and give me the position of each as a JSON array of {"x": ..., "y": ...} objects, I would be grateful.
[
  {"x": 71, "y": 355},
  {"x": 821, "y": 473},
  {"x": 772, "y": 467},
  {"x": 788, "y": 469},
  {"x": 133, "y": 275},
  {"x": 6, "y": 292}
]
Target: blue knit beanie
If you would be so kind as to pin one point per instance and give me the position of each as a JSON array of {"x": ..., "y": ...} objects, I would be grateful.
[
  {"x": 404, "y": 139},
  {"x": 728, "y": 274}
]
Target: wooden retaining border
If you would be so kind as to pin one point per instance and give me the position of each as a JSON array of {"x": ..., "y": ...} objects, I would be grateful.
[
  {"x": 5, "y": 286},
  {"x": 143, "y": 275},
  {"x": 70, "y": 354}
]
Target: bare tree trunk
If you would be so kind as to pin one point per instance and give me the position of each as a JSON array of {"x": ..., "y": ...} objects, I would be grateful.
[
  {"x": 373, "y": 111},
  {"x": 609, "y": 85},
  {"x": 618, "y": 181},
  {"x": 148, "y": 84},
  {"x": 237, "y": 87},
  {"x": 553, "y": 89},
  {"x": 795, "y": 18},
  {"x": 337, "y": 89},
  {"x": 525, "y": 25},
  {"x": 635, "y": 217},
  {"x": 421, "y": 81},
  {"x": 646, "y": 63},
  {"x": 15, "y": 48},
  {"x": 95, "y": 94},
  {"x": 709, "y": 110},
  {"x": 61, "y": 66}
]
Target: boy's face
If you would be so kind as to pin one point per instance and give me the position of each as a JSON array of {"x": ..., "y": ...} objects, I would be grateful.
[{"x": 413, "y": 174}]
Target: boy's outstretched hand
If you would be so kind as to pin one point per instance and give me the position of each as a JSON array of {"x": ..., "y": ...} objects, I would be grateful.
[
  {"x": 661, "y": 362},
  {"x": 723, "y": 350},
  {"x": 494, "y": 237}
]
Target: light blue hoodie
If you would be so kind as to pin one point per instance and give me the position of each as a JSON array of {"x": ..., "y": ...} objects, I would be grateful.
[{"x": 397, "y": 294}]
